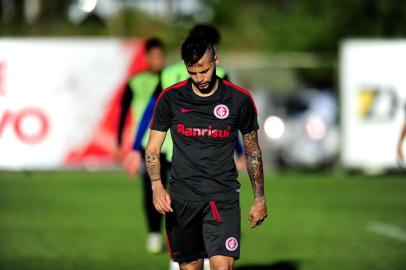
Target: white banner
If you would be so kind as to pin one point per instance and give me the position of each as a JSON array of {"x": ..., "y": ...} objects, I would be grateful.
[
  {"x": 59, "y": 100},
  {"x": 373, "y": 102}
]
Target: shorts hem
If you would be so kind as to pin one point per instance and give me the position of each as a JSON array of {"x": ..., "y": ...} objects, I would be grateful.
[
  {"x": 189, "y": 259},
  {"x": 236, "y": 257}
]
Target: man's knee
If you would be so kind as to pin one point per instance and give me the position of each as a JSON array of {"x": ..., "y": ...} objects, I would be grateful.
[{"x": 219, "y": 262}]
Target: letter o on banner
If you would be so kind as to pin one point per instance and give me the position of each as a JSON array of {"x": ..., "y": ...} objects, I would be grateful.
[{"x": 31, "y": 125}]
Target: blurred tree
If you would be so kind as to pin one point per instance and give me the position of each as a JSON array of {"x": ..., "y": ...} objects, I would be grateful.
[
  {"x": 306, "y": 24},
  {"x": 265, "y": 25},
  {"x": 52, "y": 10}
]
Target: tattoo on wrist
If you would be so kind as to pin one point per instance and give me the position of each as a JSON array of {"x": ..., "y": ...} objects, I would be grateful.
[
  {"x": 153, "y": 165},
  {"x": 259, "y": 199}
]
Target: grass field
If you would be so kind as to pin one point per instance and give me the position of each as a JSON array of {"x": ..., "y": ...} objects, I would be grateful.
[{"x": 80, "y": 220}]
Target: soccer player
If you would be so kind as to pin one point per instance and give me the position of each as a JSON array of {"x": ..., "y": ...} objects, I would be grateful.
[
  {"x": 204, "y": 114},
  {"x": 140, "y": 92},
  {"x": 400, "y": 142}
]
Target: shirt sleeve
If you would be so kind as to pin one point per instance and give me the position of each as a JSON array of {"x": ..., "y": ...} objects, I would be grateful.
[
  {"x": 162, "y": 117},
  {"x": 248, "y": 116}
]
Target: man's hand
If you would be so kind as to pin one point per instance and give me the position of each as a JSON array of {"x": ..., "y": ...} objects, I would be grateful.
[
  {"x": 132, "y": 162},
  {"x": 240, "y": 162},
  {"x": 118, "y": 154},
  {"x": 161, "y": 199},
  {"x": 258, "y": 213}
]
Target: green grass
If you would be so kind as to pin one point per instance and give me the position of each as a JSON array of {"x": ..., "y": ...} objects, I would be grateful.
[{"x": 80, "y": 220}]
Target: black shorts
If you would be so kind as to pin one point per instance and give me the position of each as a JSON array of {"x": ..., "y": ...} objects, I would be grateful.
[{"x": 197, "y": 229}]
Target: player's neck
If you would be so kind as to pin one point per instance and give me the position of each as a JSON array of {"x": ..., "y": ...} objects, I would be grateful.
[{"x": 212, "y": 91}]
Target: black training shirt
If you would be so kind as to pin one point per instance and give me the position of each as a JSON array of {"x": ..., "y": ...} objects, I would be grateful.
[{"x": 204, "y": 132}]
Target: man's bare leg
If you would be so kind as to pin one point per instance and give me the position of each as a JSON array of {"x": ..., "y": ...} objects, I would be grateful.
[
  {"x": 195, "y": 265},
  {"x": 220, "y": 262}
]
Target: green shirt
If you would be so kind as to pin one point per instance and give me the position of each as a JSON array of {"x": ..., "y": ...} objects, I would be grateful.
[{"x": 144, "y": 86}]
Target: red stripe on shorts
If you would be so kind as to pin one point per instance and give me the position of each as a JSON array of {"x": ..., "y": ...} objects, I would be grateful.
[{"x": 215, "y": 212}]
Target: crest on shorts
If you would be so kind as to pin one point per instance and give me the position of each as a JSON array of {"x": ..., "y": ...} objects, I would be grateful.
[
  {"x": 231, "y": 244},
  {"x": 221, "y": 111}
]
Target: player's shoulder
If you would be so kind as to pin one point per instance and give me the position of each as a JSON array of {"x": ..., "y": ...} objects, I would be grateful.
[
  {"x": 241, "y": 95},
  {"x": 175, "y": 70},
  {"x": 143, "y": 75},
  {"x": 237, "y": 90},
  {"x": 174, "y": 73},
  {"x": 175, "y": 67},
  {"x": 169, "y": 91}
]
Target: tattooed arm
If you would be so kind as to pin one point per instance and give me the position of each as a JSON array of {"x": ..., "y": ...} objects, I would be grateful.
[
  {"x": 161, "y": 199},
  {"x": 255, "y": 170}
]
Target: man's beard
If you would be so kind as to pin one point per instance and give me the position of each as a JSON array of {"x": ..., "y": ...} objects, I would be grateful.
[{"x": 210, "y": 86}]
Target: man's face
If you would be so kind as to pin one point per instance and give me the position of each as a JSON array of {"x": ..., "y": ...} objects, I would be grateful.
[
  {"x": 202, "y": 73},
  {"x": 156, "y": 59}
]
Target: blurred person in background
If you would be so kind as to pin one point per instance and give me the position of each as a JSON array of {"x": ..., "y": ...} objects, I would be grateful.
[
  {"x": 402, "y": 137},
  {"x": 139, "y": 95},
  {"x": 204, "y": 114}
]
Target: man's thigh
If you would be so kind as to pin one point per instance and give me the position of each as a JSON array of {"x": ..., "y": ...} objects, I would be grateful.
[
  {"x": 222, "y": 228},
  {"x": 184, "y": 232}
]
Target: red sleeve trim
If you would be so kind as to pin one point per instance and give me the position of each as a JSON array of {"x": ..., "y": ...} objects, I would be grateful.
[
  {"x": 180, "y": 84},
  {"x": 243, "y": 91}
]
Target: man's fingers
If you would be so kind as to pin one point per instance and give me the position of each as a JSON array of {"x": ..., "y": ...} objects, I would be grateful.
[
  {"x": 163, "y": 206},
  {"x": 127, "y": 166},
  {"x": 130, "y": 172},
  {"x": 127, "y": 161},
  {"x": 158, "y": 208},
  {"x": 250, "y": 217},
  {"x": 168, "y": 202},
  {"x": 166, "y": 207},
  {"x": 251, "y": 220},
  {"x": 255, "y": 220},
  {"x": 131, "y": 164}
]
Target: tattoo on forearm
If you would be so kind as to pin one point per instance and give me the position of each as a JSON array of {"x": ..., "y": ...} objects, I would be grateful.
[
  {"x": 254, "y": 164},
  {"x": 153, "y": 165}
]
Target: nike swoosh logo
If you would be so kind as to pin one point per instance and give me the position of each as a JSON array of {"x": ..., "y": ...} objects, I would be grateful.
[{"x": 184, "y": 110}]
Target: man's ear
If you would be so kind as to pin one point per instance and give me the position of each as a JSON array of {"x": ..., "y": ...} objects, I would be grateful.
[{"x": 216, "y": 59}]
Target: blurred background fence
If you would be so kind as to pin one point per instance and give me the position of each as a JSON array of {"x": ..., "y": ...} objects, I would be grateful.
[{"x": 286, "y": 52}]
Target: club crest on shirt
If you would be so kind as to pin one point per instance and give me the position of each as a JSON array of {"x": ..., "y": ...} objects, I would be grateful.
[
  {"x": 231, "y": 244},
  {"x": 221, "y": 111}
]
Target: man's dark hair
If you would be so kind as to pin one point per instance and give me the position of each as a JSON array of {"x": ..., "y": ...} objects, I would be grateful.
[
  {"x": 194, "y": 47},
  {"x": 153, "y": 43},
  {"x": 206, "y": 31}
]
